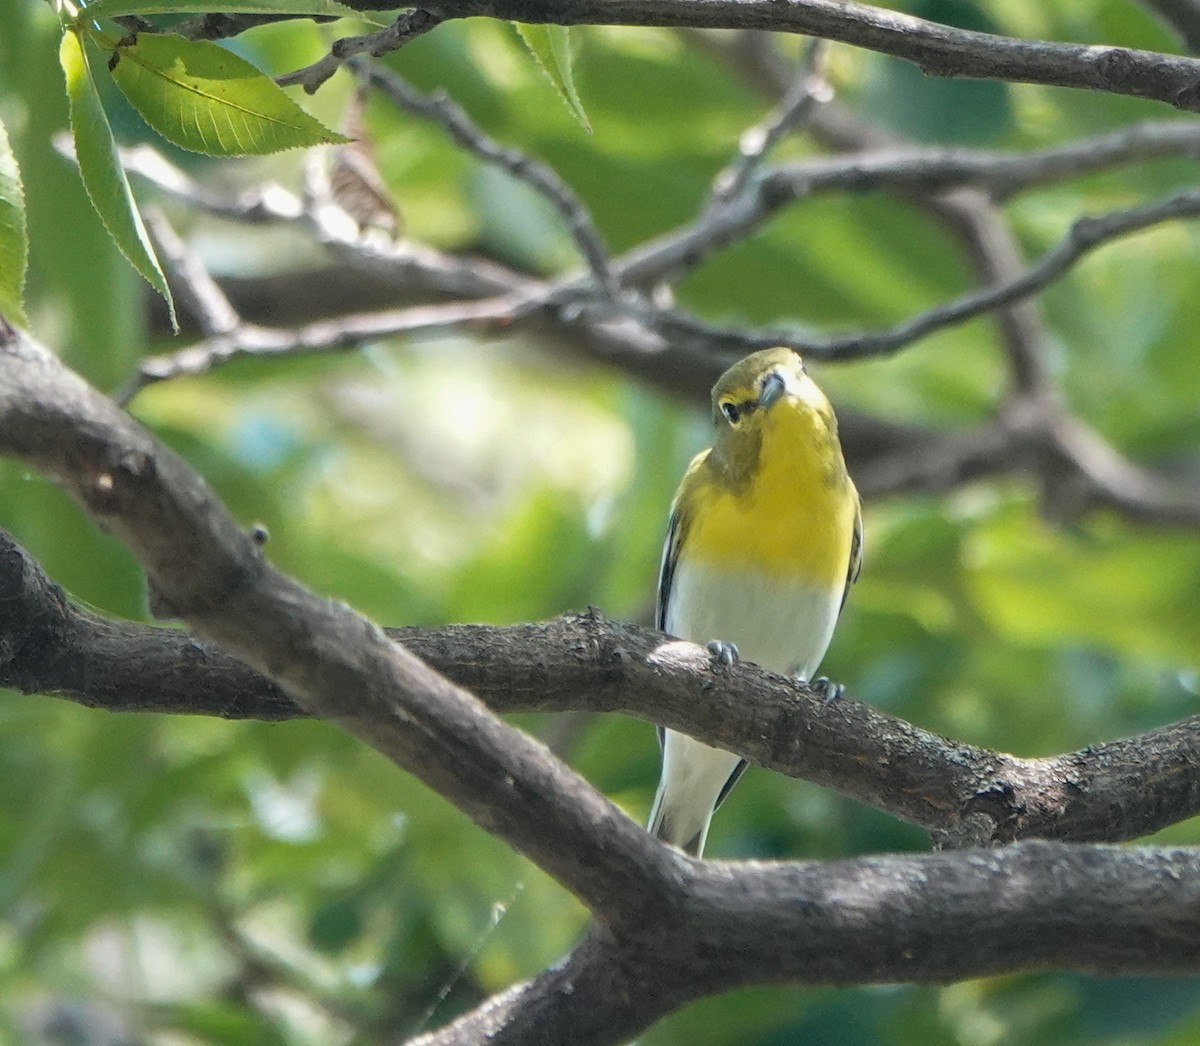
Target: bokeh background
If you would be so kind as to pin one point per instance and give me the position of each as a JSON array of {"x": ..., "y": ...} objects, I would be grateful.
[{"x": 182, "y": 880}]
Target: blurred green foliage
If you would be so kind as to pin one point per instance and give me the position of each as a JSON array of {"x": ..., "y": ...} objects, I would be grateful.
[{"x": 250, "y": 884}]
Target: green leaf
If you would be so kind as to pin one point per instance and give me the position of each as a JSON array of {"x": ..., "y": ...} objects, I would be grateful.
[
  {"x": 14, "y": 240},
  {"x": 100, "y": 168},
  {"x": 551, "y": 46},
  {"x": 336, "y": 925},
  {"x": 113, "y": 8},
  {"x": 207, "y": 99}
]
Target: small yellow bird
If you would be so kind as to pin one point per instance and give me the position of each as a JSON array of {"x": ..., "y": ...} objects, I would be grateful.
[{"x": 764, "y": 541}]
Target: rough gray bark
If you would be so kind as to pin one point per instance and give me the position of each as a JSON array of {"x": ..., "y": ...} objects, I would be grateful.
[{"x": 667, "y": 928}]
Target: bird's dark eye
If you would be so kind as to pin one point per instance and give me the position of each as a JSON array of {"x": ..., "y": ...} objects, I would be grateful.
[{"x": 731, "y": 412}]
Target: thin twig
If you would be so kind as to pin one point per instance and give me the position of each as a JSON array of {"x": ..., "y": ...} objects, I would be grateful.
[
  {"x": 408, "y": 26},
  {"x": 262, "y": 204},
  {"x": 904, "y": 169},
  {"x": 1085, "y": 235},
  {"x": 908, "y": 169},
  {"x": 808, "y": 90},
  {"x": 1001, "y": 174},
  {"x": 191, "y": 281},
  {"x": 344, "y": 332},
  {"x": 463, "y": 130},
  {"x": 969, "y": 213},
  {"x": 684, "y": 331}
]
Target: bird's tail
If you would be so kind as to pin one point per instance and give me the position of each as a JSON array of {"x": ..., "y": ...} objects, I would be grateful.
[{"x": 695, "y": 778}]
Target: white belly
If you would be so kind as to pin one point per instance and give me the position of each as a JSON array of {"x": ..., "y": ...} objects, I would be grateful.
[{"x": 783, "y": 625}]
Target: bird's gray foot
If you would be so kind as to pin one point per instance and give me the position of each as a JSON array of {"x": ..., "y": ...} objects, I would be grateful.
[
  {"x": 723, "y": 654},
  {"x": 828, "y": 689}
]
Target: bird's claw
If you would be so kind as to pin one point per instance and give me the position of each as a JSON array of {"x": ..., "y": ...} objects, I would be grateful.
[
  {"x": 724, "y": 654},
  {"x": 828, "y": 689}
]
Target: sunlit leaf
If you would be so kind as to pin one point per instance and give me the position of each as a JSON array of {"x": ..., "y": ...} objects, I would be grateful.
[
  {"x": 14, "y": 240},
  {"x": 100, "y": 168},
  {"x": 551, "y": 46},
  {"x": 205, "y": 98}
]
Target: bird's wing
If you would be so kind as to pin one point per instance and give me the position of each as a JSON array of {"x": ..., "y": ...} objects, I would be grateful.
[
  {"x": 666, "y": 573},
  {"x": 856, "y": 552},
  {"x": 666, "y": 570}
]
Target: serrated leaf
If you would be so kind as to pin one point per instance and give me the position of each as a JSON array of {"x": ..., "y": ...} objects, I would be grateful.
[
  {"x": 550, "y": 45},
  {"x": 205, "y": 98},
  {"x": 100, "y": 168},
  {"x": 14, "y": 239},
  {"x": 114, "y": 8}
]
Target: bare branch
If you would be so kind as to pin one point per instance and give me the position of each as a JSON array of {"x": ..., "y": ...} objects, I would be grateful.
[
  {"x": 321, "y": 336},
  {"x": 463, "y": 130},
  {"x": 927, "y": 169},
  {"x": 673, "y": 326},
  {"x": 408, "y": 26},
  {"x": 1085, "y": 235},
  {"x": 339, "y": 666},
  {"x": 191, "y": 281},
  {"x": 659, "y": 344},
  {"x": 913, "y": 918},
  {"x": 936, "y": 49},
  {"x": 919, "y": 170},
  {"x": 797, "y": 106},
  {"x": 927, "y": 919},
  {"x": 960, "y": 792}
]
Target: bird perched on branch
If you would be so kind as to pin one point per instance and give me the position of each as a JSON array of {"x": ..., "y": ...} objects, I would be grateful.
[{"x": 764, "y": 541}]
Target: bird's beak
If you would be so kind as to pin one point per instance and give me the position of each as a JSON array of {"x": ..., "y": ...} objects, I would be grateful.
[{"x": 773, "y": 388}]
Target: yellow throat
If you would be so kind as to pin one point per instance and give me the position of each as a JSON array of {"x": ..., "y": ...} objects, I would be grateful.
[{"x": 772, "y": 494}]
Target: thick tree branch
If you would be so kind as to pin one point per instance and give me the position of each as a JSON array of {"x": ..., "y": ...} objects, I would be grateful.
[
  {"x": 587, "y": 663},
  {"x": 932, "y": 918},
  {"x": 937, "y": 49},
  {"x": 671, "y": 929},
  {"x": 339, "y": 666}
]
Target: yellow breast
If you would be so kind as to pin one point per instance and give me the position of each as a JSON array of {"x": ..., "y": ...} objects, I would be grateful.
[{"x": 794, "y": 513}]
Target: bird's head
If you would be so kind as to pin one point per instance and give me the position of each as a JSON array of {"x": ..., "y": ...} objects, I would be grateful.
[{"x": 768, "y": 391}]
